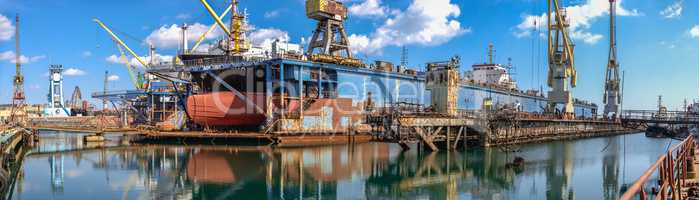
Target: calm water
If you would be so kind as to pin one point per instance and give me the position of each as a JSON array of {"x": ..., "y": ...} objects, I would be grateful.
[{"x": 62, "y": 167}]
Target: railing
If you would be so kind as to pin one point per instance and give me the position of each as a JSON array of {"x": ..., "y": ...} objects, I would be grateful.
[
  {"x": 648, "y": 115},
  {"x": 671, "y": 169},
  {"x": 226, "y": 60}
]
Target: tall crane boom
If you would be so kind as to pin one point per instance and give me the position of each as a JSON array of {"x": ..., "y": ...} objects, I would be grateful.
[
  {"x": 612, "y": 89},
  {"x": 18, "y": 112},
  {"x": 211, "y": 29},
  {"x": 562, "y": 74},
  {"x": 116, "y": 38},
  {"x": 137, "y": 84}
]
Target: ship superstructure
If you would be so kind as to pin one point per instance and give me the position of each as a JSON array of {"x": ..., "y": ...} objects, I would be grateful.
[{"x": 491, "y": 73}]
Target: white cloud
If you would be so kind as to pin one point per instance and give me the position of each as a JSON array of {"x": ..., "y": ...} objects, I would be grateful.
[
  {"x": 7, "y": 30},
  {"x": 674, "y": 10},
  {"x": 183, "y": 16},
  {"x": 586, "y": 37},
  {"x": 134, "y": 62},
  {"x": 9, "y": 56},
  {"x": 272, "y": 14},
  {"x": 368, "y": 8},
  {"x": 264, "y": 37},
  {"x": 73, "y": 72},
  {"x": 694, "y": 32},
  {"x": 580, "y": 17},
  {"x": 424, "y": 23},
  {"x": 113, "y": 78},
  {"x": 171, "y": 36},
  {"x": 87, "y": 53}
]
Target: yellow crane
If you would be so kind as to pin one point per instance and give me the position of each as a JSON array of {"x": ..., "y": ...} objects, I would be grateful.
[
  {"x": 211, "y": 29},
  {"x": 236, "y": 36},
  {"x": 118, "y": 40},
  {"x": 121, "y": 46},
  {"x": 561, "y": 60},
  {"x": 130, "y": 68}
]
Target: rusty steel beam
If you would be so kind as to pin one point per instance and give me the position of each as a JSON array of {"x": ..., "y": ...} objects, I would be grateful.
[
  {"x": 667, "y": 167},
  {"x": 436, "y": 121}
]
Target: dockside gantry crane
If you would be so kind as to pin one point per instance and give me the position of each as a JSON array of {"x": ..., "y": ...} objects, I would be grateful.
[
  {"x": 329, "y": 36},
  {"x": 612, "y": 89},
  {"x": 562, "y": 75}
]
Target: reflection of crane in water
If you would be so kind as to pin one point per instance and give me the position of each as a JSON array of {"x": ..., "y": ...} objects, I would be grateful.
[
  {"x": 57, "y": 173},
  {"x": 610, "y": 168},
  {"x": 560, "y": 171}
]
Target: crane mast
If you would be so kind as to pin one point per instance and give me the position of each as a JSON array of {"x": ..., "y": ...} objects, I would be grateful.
[
  {"x": 562, "y": 74},
  {"x": 18, "y": 112},
  {"x": 612, "y": 87}
]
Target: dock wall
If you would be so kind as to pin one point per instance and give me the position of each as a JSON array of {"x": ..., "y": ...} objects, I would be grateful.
[{"x": 543, "y": 131}]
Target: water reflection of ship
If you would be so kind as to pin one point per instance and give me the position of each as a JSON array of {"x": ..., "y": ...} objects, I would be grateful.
[
  {"x": 368, "y": 170},
  {"x": 286, "y": 173}
]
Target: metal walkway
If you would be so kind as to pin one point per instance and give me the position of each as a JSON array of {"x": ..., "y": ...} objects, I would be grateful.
[{"x": 653, "y": 116}]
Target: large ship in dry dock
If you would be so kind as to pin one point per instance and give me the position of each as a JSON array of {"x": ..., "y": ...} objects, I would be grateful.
[
  {"x": 286, "y": 89},
  {"x": 325, "y": 89},
  {"x": 329, "y": 96}
]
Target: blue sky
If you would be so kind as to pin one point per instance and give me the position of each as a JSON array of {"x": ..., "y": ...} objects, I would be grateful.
[{"x": 657, "y": 48}]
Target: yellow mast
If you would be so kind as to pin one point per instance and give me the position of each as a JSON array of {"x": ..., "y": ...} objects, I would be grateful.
[{"x": 236, "y": 34}]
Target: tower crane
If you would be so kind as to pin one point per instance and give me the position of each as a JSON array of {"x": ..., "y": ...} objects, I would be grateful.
[
  {"x": 612, "y": 94},
  {"x": 561, "y": 74},
  {"x": 18, "y": 113}
]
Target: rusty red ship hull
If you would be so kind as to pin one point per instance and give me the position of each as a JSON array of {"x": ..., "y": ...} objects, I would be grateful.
[{"x": 225, "y": 109}]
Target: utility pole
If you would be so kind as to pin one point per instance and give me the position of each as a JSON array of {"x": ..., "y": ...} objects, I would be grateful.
[
  {"x": 612, "y": 82},
  {"x": 104, "y": 99}
]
